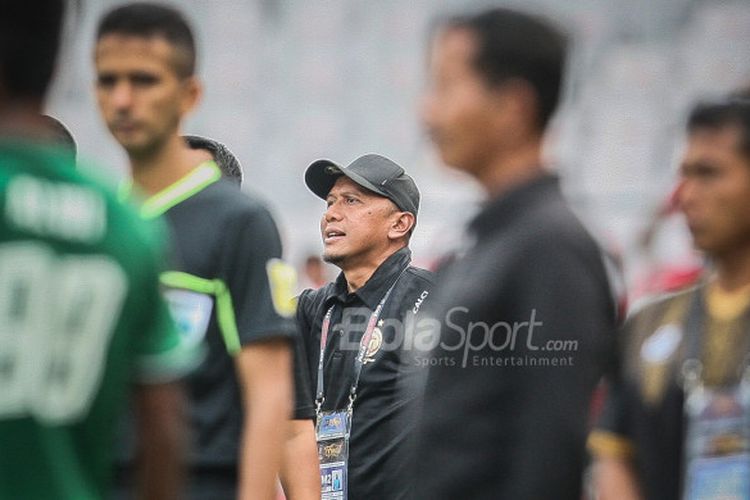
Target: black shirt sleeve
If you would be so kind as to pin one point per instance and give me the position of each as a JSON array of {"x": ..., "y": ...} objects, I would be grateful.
[
  {"x": 304, "y": 407},
  {"x": 612, "y": 435},
  {"x": 252, "y": 244}
]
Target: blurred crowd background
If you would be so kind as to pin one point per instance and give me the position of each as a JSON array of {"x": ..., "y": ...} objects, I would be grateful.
[{"x": 290, "y": 81}]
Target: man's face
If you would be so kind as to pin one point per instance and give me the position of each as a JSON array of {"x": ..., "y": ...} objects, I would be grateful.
[
  {"x": 714, "y": 191},
  {"x": 460, "y": 111},
  {"x": 355, "y": 226},
  {"x": 140, "y": 95}
]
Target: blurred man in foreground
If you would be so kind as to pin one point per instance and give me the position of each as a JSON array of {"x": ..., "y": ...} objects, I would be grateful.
[
  {"x": 231, "y": 293},
  {"x": 525, "y": 315},
  {"x": 80, "y": 312}
]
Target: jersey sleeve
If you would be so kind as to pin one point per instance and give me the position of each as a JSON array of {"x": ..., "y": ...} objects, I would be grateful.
[
  {"x": 612, "y": 436},
  {"x": 161, "y": 354},
  {"x": 260, "y": 284}
]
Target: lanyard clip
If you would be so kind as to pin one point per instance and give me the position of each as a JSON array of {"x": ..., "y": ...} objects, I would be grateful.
[
  {"x": 352, "y": 398},
  {"x": 318, "y": 405}
]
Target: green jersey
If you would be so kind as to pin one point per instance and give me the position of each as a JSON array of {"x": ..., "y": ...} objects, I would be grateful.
[{"x": 80, "y": 317}]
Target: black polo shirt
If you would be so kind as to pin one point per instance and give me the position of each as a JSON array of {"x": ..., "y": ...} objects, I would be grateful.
[
  {"x": 526, "y": 320},
  {"x": 382, "y": 423}
]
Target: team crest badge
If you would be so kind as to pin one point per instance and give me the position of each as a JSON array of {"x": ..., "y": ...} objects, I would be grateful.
[{"x": 376, "y": 342}]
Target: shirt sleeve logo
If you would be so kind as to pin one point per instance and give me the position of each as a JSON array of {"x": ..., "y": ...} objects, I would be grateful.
[
  {"x": 191, "y": 312},
  {"x": 282, "y": 278}
]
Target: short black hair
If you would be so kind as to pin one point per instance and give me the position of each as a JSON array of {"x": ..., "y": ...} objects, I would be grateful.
[
  {"x": 512, "y": 44},
  {"x": 149, "y": 20},
  {"x": 731, "y": 112},
  {"x": 29, "y": 42}
]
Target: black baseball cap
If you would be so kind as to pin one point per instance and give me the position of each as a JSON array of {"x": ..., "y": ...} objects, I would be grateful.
[{"x": 374, "y": 172}]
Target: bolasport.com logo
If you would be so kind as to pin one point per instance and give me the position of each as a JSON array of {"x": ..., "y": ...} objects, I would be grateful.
[{"x": 458, "y": 341}]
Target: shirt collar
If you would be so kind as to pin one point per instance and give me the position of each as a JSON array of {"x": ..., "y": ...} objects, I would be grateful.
[
  {"x": 376, "y": 287},
  {"x": 192, "y": 183},
  {"x": 498, "y": 211}
]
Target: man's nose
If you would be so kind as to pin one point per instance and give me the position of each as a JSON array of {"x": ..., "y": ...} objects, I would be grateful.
[
  {"x": 332, "y": 213},
  {"x": 684, "y": 194},
  {"x": 122, "y": 95}
]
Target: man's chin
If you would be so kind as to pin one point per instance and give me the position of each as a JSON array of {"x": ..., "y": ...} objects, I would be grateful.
[
  {"x": 139, "y": 149},
  {"x": 710, "y": 247},
  {"x": 335, "y": 259},
  {"x": 700, "y": 241},
  {"x": 454, "y": 161}
]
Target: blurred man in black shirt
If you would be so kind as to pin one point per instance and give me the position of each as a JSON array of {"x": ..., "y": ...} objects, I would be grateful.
[{"x": 526, "y": 312}]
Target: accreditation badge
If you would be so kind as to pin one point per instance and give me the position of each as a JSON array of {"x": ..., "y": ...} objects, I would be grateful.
[
  {"x": 332, "y": 434},
  {"x": 718, "y": 444}
]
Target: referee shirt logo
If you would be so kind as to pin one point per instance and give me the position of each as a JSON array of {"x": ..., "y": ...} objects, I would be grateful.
[{"x": 282, "y": 278}]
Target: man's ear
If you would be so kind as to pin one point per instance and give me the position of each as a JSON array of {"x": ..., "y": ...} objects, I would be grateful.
[
  {"x": 517, "y": 107},
  {"x": 401, "y": 224},
  {"x": 192, "y": 93}
]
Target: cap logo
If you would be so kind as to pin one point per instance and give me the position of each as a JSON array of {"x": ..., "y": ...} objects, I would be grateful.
[
  {"x": 331, "y": 170},
  {"x": 398, "y": 173}
]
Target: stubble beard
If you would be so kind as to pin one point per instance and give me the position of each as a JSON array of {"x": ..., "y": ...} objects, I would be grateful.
[
  {"x": 144, "y": 151},
  {"x": 336, "y": 260}
]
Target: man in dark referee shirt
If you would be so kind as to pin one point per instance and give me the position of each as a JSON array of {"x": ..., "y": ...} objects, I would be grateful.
[
  {"x": 366, "y": 313},
  {"x": 230, "y": 292},
  {"x": 526, "y": 312}
]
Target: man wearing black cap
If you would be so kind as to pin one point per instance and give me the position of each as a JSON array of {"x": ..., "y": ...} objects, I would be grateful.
[{"x": 356, "y": 329}]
